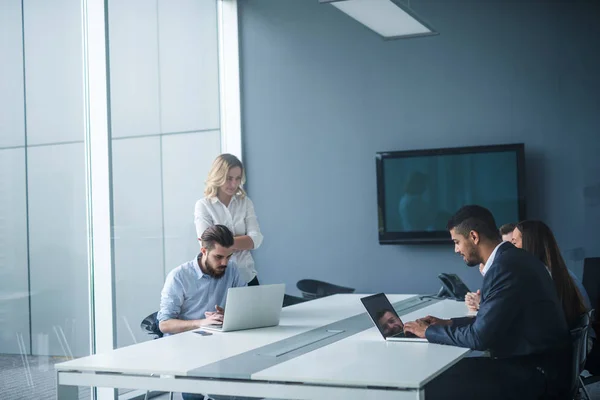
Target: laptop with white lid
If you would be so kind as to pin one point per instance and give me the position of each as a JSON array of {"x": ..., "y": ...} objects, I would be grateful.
[
  {"x": 250, "y": 307},
  {"x": 386, "y": 319}
]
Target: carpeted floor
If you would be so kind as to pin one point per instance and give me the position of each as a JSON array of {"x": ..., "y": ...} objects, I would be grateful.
[
  {"x": 38, "y": 380},
  {"x": 17, "y": 382}
]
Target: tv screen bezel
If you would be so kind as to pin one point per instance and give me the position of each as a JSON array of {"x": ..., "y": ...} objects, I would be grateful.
[{"x": 423, "y": 237}]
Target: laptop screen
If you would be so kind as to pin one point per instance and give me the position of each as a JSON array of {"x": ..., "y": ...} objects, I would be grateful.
[{"x": 383, "y": 315}]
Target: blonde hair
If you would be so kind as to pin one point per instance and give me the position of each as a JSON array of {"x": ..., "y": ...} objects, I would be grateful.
[{"x": 217, "y": 176}]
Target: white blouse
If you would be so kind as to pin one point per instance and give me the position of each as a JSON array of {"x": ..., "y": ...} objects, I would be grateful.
[{"x": 240, "y": 218}]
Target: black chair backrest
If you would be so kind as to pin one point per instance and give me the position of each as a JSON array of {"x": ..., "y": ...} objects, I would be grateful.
[
  {"x": 289, "y": 300},
  {"x": 314, "y": 289},
  {"x": 150, "y": 326},
  {"x": 579, "y": 336},
  {"x": 591, "y": 279}
]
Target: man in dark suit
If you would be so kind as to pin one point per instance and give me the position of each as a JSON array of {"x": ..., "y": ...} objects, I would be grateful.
[{"x": 520, "y": 321}]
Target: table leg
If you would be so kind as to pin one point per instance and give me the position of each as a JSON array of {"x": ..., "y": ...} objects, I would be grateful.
[{"x": 64, "y": 392}]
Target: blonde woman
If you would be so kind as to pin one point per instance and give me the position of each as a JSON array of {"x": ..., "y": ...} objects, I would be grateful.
[{"x": 225, "y": 203}]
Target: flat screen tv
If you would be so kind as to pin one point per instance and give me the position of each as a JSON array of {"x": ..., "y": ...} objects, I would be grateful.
[{"x": 419, "y": 190}]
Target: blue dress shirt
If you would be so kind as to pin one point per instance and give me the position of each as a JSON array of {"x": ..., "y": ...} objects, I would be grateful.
[{"x": 188, "y": 292}]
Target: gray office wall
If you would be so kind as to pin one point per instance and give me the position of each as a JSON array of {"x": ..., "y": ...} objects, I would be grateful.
[{"x": 321, "y": 94}]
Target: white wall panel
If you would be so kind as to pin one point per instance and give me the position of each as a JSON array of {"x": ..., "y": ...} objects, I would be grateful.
[
  {"x": 133, "y": 47},
  {"x": 189, "y": 63},
  {"x": 186, "y": 161},
  {"x": 14, "y": 288},
  {"x": 58, "y": 247},
  {"x": 12, "y": 121},
  {"x": 53, "y": 70},
  {"x": 137, "y": 208}
]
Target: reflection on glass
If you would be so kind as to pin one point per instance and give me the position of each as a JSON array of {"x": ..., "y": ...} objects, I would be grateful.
[
  {"x": 44, "y": 281},
  {"x": 384, "y": 316},
  {"x": 165, "y": 133},
  {"x": 422, "y": 192},
  {"x": 389, "y": 323}
]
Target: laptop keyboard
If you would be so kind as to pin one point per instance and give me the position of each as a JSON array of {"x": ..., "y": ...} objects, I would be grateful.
[
  {"x": 405, "y": 334},
  {"x": 217, "y": 327}
]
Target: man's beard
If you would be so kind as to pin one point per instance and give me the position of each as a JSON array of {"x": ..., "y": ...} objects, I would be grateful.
[
  {"x": 213, "y": 271},
  {"x": 472, "y": 258}
]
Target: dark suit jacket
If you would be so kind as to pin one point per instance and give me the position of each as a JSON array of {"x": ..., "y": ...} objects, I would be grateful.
[{"x": 519, "y": 314}]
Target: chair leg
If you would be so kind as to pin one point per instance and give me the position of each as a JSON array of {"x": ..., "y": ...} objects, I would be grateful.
[
  {"x": 146, "y": 396},
  {"x": 585, "y": 392},
  {"x": 171, "y": 396}
]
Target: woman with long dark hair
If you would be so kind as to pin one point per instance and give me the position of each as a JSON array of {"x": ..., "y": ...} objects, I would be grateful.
[{"x": 537, "y": 238}]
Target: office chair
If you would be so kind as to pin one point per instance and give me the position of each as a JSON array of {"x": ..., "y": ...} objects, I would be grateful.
[
  {"x": 579, "y": 335},
  {"x": 591, "y": 279},
  {"x": 289, "y": 300},
  {"x": 150, "y": 326},
  {"x": 591, "y": 283},
  {"x": 314, "y": 289}
]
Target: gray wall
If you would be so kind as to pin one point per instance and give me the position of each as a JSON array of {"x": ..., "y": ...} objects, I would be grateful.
[{"x": 321, "y": 94}]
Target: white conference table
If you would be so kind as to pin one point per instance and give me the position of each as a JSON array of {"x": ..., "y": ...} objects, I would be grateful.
[{"x": 359, "y": 366}]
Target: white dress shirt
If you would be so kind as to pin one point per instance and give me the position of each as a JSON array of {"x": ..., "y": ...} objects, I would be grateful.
[
  {"x": 490, "y": 260},
  {"x": 240, "y": 218}
]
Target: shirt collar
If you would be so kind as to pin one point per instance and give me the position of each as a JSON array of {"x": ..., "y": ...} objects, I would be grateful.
[
  {"x": 197, "y": 268},
  {"x": 215, "y": 199},
  {"x": 490, "y": 260}
]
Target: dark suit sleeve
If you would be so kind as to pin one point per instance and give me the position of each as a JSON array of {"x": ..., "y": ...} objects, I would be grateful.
[
  {"x": 463, "y": 321},
  {"x": 496, "y": 313}
]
